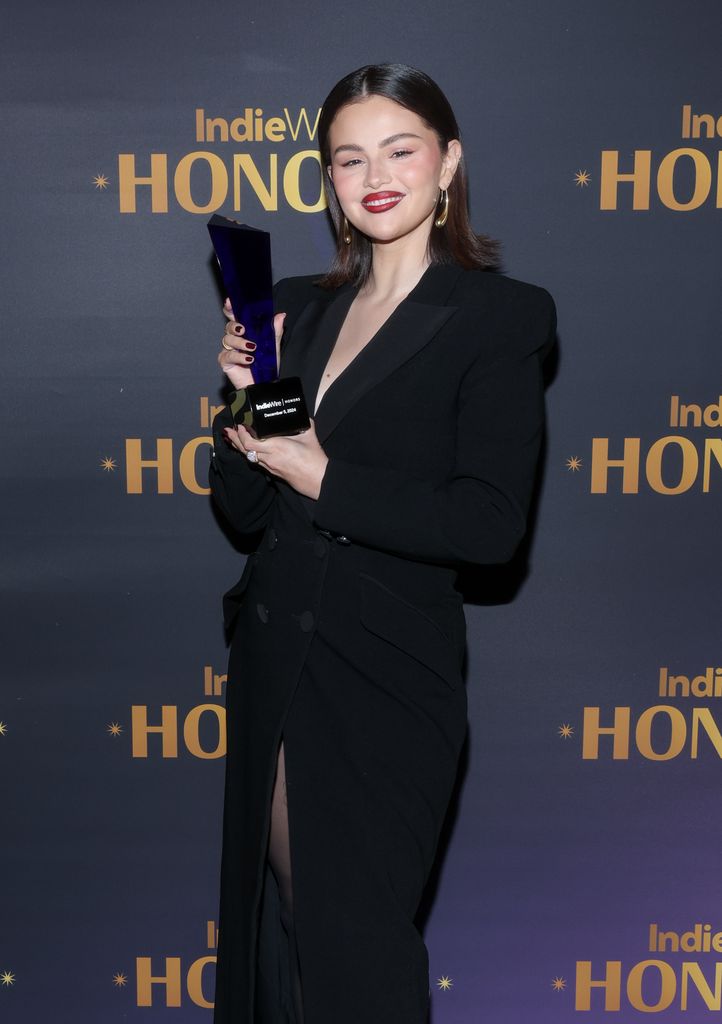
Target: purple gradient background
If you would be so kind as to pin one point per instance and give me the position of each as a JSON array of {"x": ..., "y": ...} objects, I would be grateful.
[{"x": 112, "y": 599}]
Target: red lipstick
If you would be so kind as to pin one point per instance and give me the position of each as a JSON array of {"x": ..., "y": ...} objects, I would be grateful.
[{"x": 379, "y": 202}]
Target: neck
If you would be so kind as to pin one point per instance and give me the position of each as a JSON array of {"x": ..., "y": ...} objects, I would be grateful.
[{"x": 396, "y": 267}]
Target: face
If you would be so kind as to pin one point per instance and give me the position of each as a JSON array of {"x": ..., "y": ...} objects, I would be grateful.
[{"x": 387, "y": 168}]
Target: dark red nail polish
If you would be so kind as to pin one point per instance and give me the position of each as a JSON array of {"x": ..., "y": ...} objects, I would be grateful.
[
  {"x": 249, "y": 359},
  {"x": 251, "y": 345},
  {"x": 238, "y": 328}
]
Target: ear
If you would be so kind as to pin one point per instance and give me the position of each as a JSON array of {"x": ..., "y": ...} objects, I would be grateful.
[{"x": 450, "y": 162}]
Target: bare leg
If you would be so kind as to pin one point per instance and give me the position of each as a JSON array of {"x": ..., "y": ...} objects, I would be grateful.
[{"x": 279, "y": 856}]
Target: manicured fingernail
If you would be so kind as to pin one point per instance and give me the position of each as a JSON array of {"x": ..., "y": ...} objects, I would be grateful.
[
  {"x": 251, "y": 345},
  {"x": 248, "y": 359},
  {"x": 238, "y": 328}
]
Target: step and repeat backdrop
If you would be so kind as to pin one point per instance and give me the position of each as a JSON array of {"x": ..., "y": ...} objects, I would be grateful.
[{"x": 581, "y": 871}]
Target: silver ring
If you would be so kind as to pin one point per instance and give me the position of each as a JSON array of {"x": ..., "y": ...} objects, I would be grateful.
[
  {"x": 252, "y": 456},
  {"x": 228, "y": 348}
]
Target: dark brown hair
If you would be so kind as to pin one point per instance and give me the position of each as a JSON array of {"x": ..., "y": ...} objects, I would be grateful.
[{"x": 410, "y": 88}]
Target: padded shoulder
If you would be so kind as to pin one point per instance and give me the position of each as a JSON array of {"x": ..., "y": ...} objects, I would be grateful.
[
  {"x": 292, "y": 293},
  {"x": 482, "y": 286},
  {"x": 522, "y": 314}
]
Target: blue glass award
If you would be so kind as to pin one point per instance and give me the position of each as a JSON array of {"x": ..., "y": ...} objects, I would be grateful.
[{"x": 272, "y": 405}]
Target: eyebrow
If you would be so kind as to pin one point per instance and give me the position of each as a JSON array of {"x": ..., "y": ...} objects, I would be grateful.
[{"x": 384, "y": 142}]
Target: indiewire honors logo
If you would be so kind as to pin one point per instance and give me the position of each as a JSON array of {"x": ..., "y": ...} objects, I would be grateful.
[
  {"x": 673, "y": 464},
  {"x": 655, "y": 985},
  {"x": 662, "y": 731},
  {"x": 203, "y": 181},
  {"x": 682, "y": 180}
]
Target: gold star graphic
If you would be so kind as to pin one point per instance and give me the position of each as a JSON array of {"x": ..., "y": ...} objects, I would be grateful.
[
  {"x": 444, "y": 983},
  {"x": 114, "y": 729},
  {"x": 574, "y": 464},
  {"x": 565, "y": 731},
  {"x": 3, "y": 729},
  {"x": 100, "y": 181},
  {"x": 7, "y": 978},
  {"x": 119, "y": 979},
  {"x": 559, "y": 984},
  {"x": 582, "y": 178},
  {"x": 108, "y": 465}
]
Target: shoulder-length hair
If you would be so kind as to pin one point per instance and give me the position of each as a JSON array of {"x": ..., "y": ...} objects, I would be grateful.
[{"x": 455, "y": 242}]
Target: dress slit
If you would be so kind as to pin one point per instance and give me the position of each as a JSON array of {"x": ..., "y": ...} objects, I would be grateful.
[{"x": 279, "y": 859}]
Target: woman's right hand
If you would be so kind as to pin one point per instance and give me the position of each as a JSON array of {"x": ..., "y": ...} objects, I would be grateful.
[{"x": 236, "y": 355}]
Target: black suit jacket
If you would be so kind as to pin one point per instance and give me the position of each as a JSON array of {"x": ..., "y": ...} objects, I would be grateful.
[
  {"x": 433, "y": 434},
  {"x": 433, "y": 431}
]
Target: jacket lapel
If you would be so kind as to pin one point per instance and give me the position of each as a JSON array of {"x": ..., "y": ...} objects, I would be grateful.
[
  {"x": 412, "y": 325},
  {"x": 306, "y": 351}
]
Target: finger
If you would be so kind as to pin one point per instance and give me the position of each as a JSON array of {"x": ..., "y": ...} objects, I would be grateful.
[
  {"x": 235, "y": 438},
  {"x": 234, "y": 337},
  {"x": 278, "y": 322},
  {"x": 228, "y": 310},
  {"x": 249, "y": 441},
  {"x": 231, "y": 343},
  {"x": 232, "y": 438},
  {"x": 228, "y": 360}
]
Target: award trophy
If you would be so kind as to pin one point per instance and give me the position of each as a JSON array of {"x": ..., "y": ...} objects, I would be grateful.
[{"x": 271, "y": 405}]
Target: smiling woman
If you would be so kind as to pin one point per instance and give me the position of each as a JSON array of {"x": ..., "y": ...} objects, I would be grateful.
[
  {"x": 420, "y": 117},
  {"x": 346, "y": 707},
  {"x": 407, "y": 179}
]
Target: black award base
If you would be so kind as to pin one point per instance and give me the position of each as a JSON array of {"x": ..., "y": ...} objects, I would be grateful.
[{"x": 272, "y": 408}]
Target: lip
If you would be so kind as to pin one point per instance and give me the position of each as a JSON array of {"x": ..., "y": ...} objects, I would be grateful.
[{"x": 382, "y": 201}]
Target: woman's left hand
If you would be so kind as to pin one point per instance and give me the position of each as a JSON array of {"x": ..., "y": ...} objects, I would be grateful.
[{"x": 299, "y": 459}]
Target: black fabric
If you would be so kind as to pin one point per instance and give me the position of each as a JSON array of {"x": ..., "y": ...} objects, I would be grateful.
[{"x": 352, "y": 652}]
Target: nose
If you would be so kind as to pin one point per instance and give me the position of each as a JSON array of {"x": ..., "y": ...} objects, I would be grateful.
[{"x": 376, "y": 174}]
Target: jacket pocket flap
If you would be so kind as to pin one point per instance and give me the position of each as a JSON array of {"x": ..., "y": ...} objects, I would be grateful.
[{"x": 409, "y": 629}]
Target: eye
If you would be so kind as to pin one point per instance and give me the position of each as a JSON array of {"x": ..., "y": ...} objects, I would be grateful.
[
  {"x": 402, "y": 152},
  {"x": 351, "y": 163}
]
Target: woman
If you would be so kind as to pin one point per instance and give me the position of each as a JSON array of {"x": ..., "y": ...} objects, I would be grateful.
[{"x": 346, "y": 704}]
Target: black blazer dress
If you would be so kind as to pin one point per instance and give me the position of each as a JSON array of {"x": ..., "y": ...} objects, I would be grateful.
[{"x": 348, "y": 633}]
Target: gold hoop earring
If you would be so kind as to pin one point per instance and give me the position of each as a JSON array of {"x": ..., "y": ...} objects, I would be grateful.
[
  {"x": 346, "y": 232},
  {"x": 443, "y": 216}
]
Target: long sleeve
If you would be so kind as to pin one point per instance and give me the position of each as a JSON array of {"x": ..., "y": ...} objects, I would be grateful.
[
  {"x": 244, "y": 492},
  {"x": 478, "y": 513}
]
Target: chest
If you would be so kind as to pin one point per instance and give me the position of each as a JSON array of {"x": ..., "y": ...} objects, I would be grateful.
[
  {"x": 395, "y": 402},
  {"x": 363, "y": 322}
]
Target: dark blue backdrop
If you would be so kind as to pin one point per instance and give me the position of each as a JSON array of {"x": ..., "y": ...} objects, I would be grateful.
[{"x": 557, "y": 864}]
